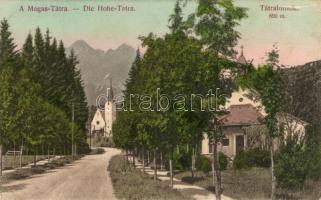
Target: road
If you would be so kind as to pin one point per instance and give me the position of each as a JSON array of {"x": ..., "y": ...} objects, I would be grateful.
[{"x": 85, "y": 179}]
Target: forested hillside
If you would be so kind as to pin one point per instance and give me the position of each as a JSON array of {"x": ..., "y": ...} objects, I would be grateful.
[{"x": 303, "y": 91}]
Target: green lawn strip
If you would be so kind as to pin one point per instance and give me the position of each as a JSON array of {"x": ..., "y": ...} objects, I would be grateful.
[
  {"x": 38, "y": 169},
  {"x": 11, "y": 162},
  {"x": 252, "y": 183},
  {"x": 131, "y": 183}
]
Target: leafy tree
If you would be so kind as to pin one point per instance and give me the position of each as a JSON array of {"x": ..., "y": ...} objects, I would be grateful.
[
  {"x": 266, "y": 80},
  {"x": 216, "y": 25}
]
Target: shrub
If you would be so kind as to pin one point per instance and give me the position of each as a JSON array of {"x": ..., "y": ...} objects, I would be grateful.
[
  {"x": 252, "y": 158},
  {"x": 204, "y": 164},
  {"x": 83, "y": 148},
  {"x": 223, "y": 161},
  {"x": 107, "y": 142},
  {"x": 97, "y": 151},
  {"x": 291, "y": 167},
  {"x": 182, "y": 160}
]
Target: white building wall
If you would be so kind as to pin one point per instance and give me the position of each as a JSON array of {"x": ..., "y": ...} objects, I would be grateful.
[
  {"x": 110, "y": 116},
  {"x": 98, "y": 122},
  {"x": 241, "y": 98}
]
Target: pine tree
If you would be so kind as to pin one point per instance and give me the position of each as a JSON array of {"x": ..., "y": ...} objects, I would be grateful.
[
  {"x": 27, "y": 53},
  {"x": 8, "y": 53},
  {"x": 176, "y": 19},
  {"x": 132, "y": 75}
]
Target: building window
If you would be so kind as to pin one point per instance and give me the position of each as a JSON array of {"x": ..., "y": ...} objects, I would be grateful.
[
  {"x": 226, "y": 142},
  {"x": 209, "y": 147},
  {"x": 97, "y": 122}
]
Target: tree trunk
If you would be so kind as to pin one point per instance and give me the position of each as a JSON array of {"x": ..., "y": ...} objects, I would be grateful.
[
  {"x": 143, "y": 159},
  {"x": 148, "y": 160},
  {"x": 27, "y": 153},
  {"x": 1, "y": 160},
  {"x": 193, "y": 162},
  {"x": 171, "y": 172},
  {"x": 35, "y": 158},
  {"x": 21, "y": 151},
  {"x": 161, "y": 160},
  {"x": 134, "y": 157},
  {"x": 127, "y": 155},
  {"x": 273, "y": 183},
  {"x": 155, "y": 166},
  {"x": 14, "y": 155},
  {"x": 216, "y": 171},
  {"x": 48, "y": 154}
]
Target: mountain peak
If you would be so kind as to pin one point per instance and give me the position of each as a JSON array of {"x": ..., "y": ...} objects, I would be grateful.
[
  {"x": 80, "y": 44},
  {"x": 125, "y": 46}
]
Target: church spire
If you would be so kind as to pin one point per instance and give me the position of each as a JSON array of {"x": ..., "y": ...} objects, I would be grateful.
[
  {"x": 241, "y": 59},
  {"x": 110, "y": 92}
]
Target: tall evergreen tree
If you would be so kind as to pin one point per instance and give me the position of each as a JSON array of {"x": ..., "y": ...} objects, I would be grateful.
[
  {"x": 27, "y": 52},
  {"x": 132, "y": 75},
  {"x": 176, "y": 19},
  {"x": 8, "y": 53}
]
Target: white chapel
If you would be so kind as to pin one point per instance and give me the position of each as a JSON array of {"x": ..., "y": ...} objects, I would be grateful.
[{"x": 104, "y": 117}]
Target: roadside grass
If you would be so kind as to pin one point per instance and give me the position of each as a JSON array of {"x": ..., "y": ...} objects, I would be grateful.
[
  {"x": 131, "y": 183},
  {"x": 253, "y": 183},
  {"x": 11, "y": 162},
  {"x": 38, "y": 169}
]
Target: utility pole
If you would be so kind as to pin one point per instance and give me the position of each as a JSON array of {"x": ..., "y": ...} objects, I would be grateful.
[{"x": 72, "y": 130}]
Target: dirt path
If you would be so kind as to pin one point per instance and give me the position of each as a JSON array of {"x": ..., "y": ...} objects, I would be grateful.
[{"x": 85, "y": 179}]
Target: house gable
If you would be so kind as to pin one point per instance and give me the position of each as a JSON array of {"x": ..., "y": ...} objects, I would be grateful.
[{"x": 98, "y": 121}]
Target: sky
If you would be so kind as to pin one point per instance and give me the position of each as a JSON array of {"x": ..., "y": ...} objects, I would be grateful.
[{"x": 296, "y": 33}]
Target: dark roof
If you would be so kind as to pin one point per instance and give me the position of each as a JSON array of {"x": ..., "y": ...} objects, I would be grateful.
[{"x": 241, "y": 115}]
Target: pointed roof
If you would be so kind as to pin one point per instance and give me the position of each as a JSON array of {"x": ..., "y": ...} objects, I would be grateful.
[
  {"x": 241, "y": 59},
  {"x": 110, "y": 92}
]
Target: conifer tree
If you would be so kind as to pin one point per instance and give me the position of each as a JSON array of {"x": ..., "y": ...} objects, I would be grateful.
[
  {"x": 132, "y": 75},
  {"x": 8, "y": 53},
  {"x": 176, "y": 19},
  {"x": 27, "y": 52}
]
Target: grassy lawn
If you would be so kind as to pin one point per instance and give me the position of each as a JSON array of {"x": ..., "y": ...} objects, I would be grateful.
[
  {"x": 251, "y": 184},
  {"x": 130, "y": 183},
  {"x": 11, "y": 161},
  {"x": 27, "y": 172}
]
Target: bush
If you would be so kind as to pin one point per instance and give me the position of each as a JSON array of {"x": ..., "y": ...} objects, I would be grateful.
[
  {"x": 83, "y": 148},
  {"x": 291, "y": 166},
  {"x": 204, "y": 163},
  {"x": 252, "y": 158},
  {"x": 223, "y": 161},
  {"x": 106, "y": 142},
  {"x": 97, "y": 151},
  {"x": 182, "y": 160}
]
